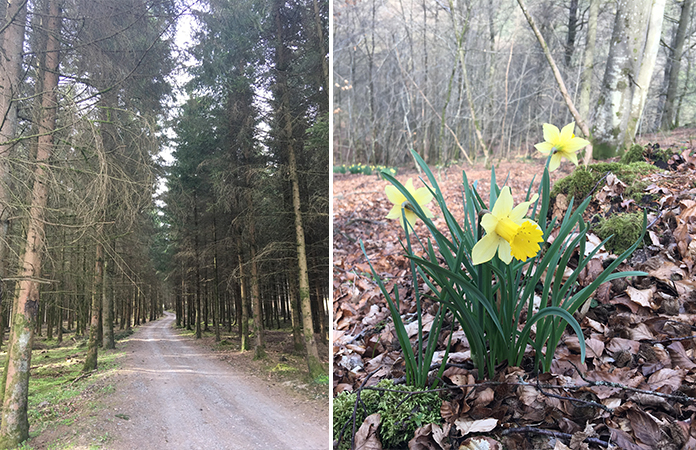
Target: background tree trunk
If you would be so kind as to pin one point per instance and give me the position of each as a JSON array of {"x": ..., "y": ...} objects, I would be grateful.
[
  {"x": 14, "y": 428},
  {"x": 622, "y": 71},
  {"x": 673, "y": 65}
]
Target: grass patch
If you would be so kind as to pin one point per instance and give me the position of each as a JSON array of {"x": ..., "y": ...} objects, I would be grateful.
[{"x": 57, "y": 392}]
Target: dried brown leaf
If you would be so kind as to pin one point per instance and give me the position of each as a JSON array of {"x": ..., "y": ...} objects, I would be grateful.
[
  {"x": 679, "y": 356},
  {"x": 430, "y": 437},
  {"x": 670, "y": 379},
  {"x": 484, "y": 397},
  {"x": 466, "y": 426},
  {"x": 480, "y": 443},
  {"x": 644, "y": 427},
  {"x": 366, "y": 438},
  {"x": 642, "y": 297}
]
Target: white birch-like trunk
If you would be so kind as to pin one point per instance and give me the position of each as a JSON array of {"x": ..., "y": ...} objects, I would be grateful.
[
  {"x": 647, "y": 67},
  {"x": 621, "y": 74}
]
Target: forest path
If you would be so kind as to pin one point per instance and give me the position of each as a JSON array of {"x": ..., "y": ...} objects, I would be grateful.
[{"x": 179, "y": 396}]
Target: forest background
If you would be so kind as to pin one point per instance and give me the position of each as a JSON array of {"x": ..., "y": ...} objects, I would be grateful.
[
  {"x": 86, "y": 99},
  {"x": 455, "y": 80}
]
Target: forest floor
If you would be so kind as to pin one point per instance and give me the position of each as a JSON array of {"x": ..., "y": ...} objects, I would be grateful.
[
  {"x": 163, "y": 389},
  {"x": 640, "y": 335}
]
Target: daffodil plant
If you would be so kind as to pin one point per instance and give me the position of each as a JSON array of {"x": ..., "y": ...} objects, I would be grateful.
[{"x": 488, "y": 267}]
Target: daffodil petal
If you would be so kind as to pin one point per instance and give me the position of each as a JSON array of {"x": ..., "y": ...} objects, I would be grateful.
[
  {"x": 504, "y": 251},
  {"x": 572, "y": 157},
  {"x": 485, "y": 249},
  {"x": 395, "y": 212},
  {"x": 409, "y": 186},
  {"x": 544, "y": 147},
  {"x": 503, "y": 205},
  {"x": 551, "y": 133},
  {"x": 422, "y": 196},
  {"x": 394, "y": 196},
  {"x": 489, "y": 222},
  {"x": 555, "y": 162},
  {"x": 411, "y": 217},
  {"x": 567, "y": 132},
  {"x": 427, "y": 211},
  {"x": 576, "y": 144},
  {"x": 518, "y": 213}
]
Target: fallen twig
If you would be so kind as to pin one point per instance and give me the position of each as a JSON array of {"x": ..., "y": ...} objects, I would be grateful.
[
  {"x": 556, "y": 434},
  {"x": 84, "y": 375}
]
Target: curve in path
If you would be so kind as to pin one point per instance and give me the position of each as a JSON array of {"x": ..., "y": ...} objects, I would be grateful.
[{"x": 177, "y": 396}]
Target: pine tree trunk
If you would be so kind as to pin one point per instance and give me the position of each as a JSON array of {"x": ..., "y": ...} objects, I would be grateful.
[
  {"x": 97, "y": 299},
  {"x": 15, "y": 424},
  {"x": 244, "y": 318},
  {"x": 11, "y": 41},
  {"x": 108, "y": 311},
  {"x": 314, "y": 364},
  {"x": 259, "y": 339}
]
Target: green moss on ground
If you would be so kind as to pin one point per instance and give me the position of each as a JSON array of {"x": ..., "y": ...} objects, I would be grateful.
[
  {"x": 583, "y": 180},
  {"x": 634, "y": 154},
  {"x": 401, "y": 413},
  {"x": 625, "y": 229}
]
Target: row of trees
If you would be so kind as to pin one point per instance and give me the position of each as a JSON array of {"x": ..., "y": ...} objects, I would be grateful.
[
  {"x": 247, "y": 195},
  {"x": 243, "y": 234},
  {"x": 457, "y": 79},
  {"x": 82, "y": 85}
]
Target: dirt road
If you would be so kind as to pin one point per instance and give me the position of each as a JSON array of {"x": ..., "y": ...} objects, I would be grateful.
[{"x": 177, "y": 396}]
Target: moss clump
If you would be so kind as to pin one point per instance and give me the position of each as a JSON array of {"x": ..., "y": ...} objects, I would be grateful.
[
  {"x": 401, "y": 413},
  {"x": 660, "y": 154},
  {"x": 581, "y": 182},
  {"x": 625, "y": 228},
  {"x": 634, "y": 154},
  {"x": 576, "y": 185}
]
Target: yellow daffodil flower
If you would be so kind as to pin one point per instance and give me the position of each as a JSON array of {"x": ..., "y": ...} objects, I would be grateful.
[
  {"x": 422, "y": 196},
  {"x": 561, "y": 144},
  {"x": 507, "y": 232}
]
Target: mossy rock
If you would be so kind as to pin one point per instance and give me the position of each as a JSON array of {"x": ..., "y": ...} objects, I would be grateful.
[
  {"x": 401, "y": 413},
  {"x": 583, "y": 180},
  {"x": 625, "y": 229}
]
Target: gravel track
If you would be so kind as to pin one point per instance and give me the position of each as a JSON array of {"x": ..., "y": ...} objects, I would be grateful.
[{"x": 179, "y": 396}]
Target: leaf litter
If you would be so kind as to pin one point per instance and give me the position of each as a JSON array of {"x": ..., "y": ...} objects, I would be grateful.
[{"x": 637, "y": 387}]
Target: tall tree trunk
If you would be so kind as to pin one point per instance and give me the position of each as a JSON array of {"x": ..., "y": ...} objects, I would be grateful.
[
  {"x": 198, "y": 266},
  {"x": 316, "y": 368},
  {"x": 12, "y": 24},
  {"x": 322, "y": 48},
  {"x": 108, "y": 310},
  {"x": 621, "y": 73},
  {"x": 647, "y": 66},
  {"x": 295, "y": 313},
  {"x": 97, "y": 300},
  {"x": 572, "y": 31},
  {"x": 244, "y": 318},
  {"x": 216, "y": 279},
  {"x": 15, "y": 424},
  {"x": 588, "y": 66},
  {"x": 674, "y": 62},
  {"x": 259, "y": 338}
]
